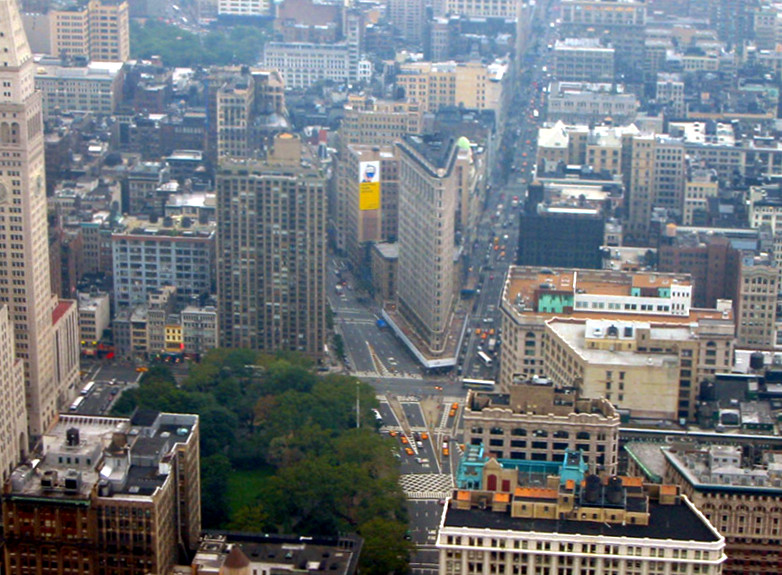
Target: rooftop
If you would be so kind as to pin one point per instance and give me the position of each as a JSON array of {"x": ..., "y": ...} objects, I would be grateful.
[
  {"x": 581, "y": 44},
  {"x": 174, "y": 226},
  {"x": 679, "y": 522},
  {"x": 122, "y": 457},
  {"x": 525, "y": 284},
  {"x": 721, "y": 468},
  {"x": 575, "y": 333},
  {"x": 438, "y": 153},
  {"x": 287, "y": 553},
  {"x": 539, "y": 397}
]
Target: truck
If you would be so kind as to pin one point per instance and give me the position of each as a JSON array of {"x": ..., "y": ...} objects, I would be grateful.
[{"x": 490, "y": 347}]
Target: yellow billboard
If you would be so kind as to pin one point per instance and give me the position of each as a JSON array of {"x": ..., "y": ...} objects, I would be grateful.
[{"x": 369, "y": 186}]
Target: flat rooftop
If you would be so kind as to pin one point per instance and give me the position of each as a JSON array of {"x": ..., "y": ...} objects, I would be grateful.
[
  {"x": 525, "y": 281},
  {"x": 182, "y": 227},
  {"x": 575, "y": 334},
  {"x": 80, "y": 451},
  {"x": 675, "y": 522},
  {"x": 522, "y": 284}
]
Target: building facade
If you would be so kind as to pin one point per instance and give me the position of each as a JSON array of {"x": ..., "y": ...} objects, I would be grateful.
[
  {"x": 99, "y": 30},
  {"x": 94, "y": 317},
  {"x": 113, "y": 495},
  {"x": 580, "y": 328},
  {"x": 711, "y": 260},
  {"x": 70, "y": 32},
  {"x": 589, "y": 102},
  {"x": 109, "y": 22},
  {"x": 13, "y": 424},
  {"x": 254, "y": 8},
  {"x": 742, "y": 501},
  {"x": 505, "y": 9},
  {"x": 95, "y": 88},
  {"x": 361, "y": 224},
  {"x": 582, "y": 60},
  {"x": 409, "y": 19},
  {"x": 303, "y": 64},
  {"x": 24, "y": 266},
  {"x": 235, "y": 103},
  {"x": 200, "y": 330},
  {"x": 757, "y": 305},
  {"x": 473, "y": 85},
  {"x": 614, "y": 527},
  {"x": 271, "y": 251},
  {"x": 537, "y": 422},
  {"x": 171, "y": 251},
  {"x": 620, "y": 23},
  {"x": 428, "y": 200}
]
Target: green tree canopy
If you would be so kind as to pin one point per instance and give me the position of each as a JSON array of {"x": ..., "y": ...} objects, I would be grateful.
[
  {"x": 275, "y": 413},
  {"x": 181, "y": 48}
]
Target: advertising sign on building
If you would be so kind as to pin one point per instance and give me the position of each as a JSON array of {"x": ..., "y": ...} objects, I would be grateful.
[{"x": 369, "y": 186}]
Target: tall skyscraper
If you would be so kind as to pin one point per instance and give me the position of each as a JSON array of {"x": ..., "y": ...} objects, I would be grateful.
[
  {"x": 24, "y": 250},
  {"x": 13, "y": 424},
  {"x": 271, "y": 251},
  {"x": 429, "y": 194}
]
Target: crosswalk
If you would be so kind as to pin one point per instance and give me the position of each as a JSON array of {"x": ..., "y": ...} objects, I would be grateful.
[
  {"x": 377, "y": 375},
  {"x": 427, "y": 485}
]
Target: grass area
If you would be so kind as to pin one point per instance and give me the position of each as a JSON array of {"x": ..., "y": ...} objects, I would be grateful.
[{"x": 244, "y": 486}]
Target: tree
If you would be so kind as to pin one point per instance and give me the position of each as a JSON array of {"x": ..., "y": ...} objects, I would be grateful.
[
  {"x": 339, "y": 345},
  {"x": 252, "y": 518},
  {"x": 215, "y": 471},
  {"x": 385, "y": 548}
]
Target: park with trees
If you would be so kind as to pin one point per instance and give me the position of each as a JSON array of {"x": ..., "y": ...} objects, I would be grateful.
[{"x": 281, "y": 451}]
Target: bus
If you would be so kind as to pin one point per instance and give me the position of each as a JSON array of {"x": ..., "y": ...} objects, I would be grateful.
[
  {"x": 484, "y": 358},
  {"x": 479, "y": 384},
  {"x": 76, "y": 403},
  {"x": 88, "y": 388}
]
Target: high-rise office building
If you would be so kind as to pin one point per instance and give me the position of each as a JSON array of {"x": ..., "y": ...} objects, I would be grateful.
[
  {"x": 621, "y": 23},
  {"x": 70, "y": 32},
  {"x": 657, "y": 180},
  {"x": 109, "y": 30},
  {"x": 409, "y": 18},
  {"x": 711, "y": 260},
  {"x": 755, "y": 324},
  {"x": 24, "y": 264},
  {"x": 368, "y": 223},
  {"x": 234, "y": 114},
  {"x": 99, "y": 30},
  {"x": 13, "y": 425},
  {"x": 428, "y": 200},
  {"x": 271, "y": 250}
]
